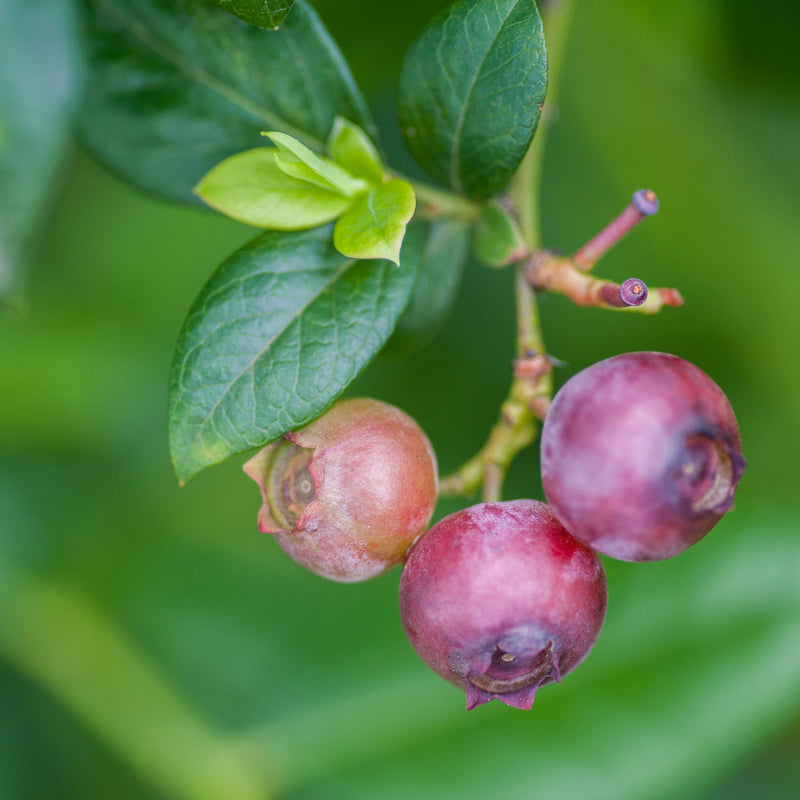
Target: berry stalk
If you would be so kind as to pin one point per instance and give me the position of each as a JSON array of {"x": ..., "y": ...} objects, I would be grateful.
[
  {"x": 643, "y": 204},
  {"x": 547, "y": 271}
]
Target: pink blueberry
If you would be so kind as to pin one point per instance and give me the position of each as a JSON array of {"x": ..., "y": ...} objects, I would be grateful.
[
  {"x": 348, "y": 494},
  {"x": 499, "y": 599},
  {"x": 640, "y": 456}
]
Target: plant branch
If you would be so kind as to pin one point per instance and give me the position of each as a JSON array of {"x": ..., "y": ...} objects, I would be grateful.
[
  {"x": 549, "y": 272},
  {"x": 528, "y": 397},
  {"x": 526, "y": 183},
  {"x": 531, "y": 388}
]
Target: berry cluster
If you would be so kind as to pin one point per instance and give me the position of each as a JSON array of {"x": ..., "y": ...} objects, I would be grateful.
[{"x": 640, "y": 458}]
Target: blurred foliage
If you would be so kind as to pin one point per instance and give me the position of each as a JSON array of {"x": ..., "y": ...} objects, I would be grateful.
[
  {"x": 36, "y": 95},
  {"x": 152, "y": 643}
]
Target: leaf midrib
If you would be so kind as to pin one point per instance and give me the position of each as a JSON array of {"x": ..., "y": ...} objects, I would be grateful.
[{"x": 173, "y": 56}]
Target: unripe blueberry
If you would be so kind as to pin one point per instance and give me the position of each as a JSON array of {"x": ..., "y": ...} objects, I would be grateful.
[
  {"x": 640, "y": 456},
  {"x": 348, "y": 494},
  {"x": 499, "y": 599}
]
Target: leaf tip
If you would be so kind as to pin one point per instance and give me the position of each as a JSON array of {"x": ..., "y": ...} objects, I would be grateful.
[{"x": 277, "y": 137}]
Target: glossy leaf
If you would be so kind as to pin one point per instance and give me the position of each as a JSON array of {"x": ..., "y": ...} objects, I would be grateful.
[
  {"x": 262, "y": 13},
  {"x": 251, "y": 188},
  {"x": 438, "y": 279},
  {"x": 470, "y": 93},
  {"x": 176, "y": 86},
  {"x": 277, "y": 334},
  {"x": 497, "y": 239},
  {"x": 350, "y": 146},
  {"x": 374, "y": 226},
  {"x": 37, "y": 85},
  {"x": 297, "y": 160}
]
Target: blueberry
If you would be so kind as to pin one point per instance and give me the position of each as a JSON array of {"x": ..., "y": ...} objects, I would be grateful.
[
  {"x": 348, "y": 494},
  {"x": 640, "y": 456},
  {"x": 499, "y": 599}
]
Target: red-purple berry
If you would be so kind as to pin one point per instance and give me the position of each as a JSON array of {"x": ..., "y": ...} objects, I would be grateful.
[
  {"x": 640, "y": 456},
  {"x": 348, "y": 494},
  {"x": 499, "y": 599}
]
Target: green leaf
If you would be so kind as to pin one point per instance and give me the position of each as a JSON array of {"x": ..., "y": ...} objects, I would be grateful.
[
  {"x": 470, "y": 93},
  {"x": 438, "y": 279},
  {"x": 497, "y": 239},
  {"x": 251, "y": 188},
  {"x": 297, "y": 160},
  {"x": 277, "y": 334},
  {"x": 350, "y": 146},
  {"x": 37, "y": 85},
  {"x": 262, "y": 13},
  {"x": 374, "y": 226},
  {"x": 176, "y": 86}
]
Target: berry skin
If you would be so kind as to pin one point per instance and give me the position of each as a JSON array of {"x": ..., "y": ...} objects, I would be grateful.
[
  {"x": 499, "y": 599},
  {"x": 348, "y": 494},
  {"x": 640, "y": 456}
]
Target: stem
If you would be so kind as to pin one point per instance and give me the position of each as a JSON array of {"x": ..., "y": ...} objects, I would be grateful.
[
  {"x": 643, "y": 204},
  {"x": 531, "y": 388},
  {"x": 526, "y": 183},
  {"x": 548, "y": 272},
  {"x": 529, "y": 332},
  {"x": 433, "y": 202}
]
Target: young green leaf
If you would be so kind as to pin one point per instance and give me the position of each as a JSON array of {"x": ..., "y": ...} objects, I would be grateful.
[
  {"x": 297, "y": 160},
  {"x": 438, "y": 278},
  {"x": 251, "y": 188},
  {"x": 350, "y": 146},
  {"x": 471, "y": 89},
  {"x": 277, "y": 334},
  {"x": 176, "y": 86},
  {"x": 374, "y": 226},
  {"x": 497, "y": 239},
  {"x": 262, "y": 13}
]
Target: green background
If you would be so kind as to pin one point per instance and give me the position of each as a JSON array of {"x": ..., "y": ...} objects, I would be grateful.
[{"x": 154, "y": 645}]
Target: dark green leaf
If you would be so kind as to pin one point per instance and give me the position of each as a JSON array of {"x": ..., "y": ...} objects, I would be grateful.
[
  {"x": 37, "y": 83},
  {"x": 374, "y": 226},
  {"x": 497, "y": 239},
  {"x": 251, "y": 188},
  {"x": 277, "y": 334},
  {"x": 435, "y": 290},
  {"x": 470, "y": 92},
  {"x": 262, "y": 13},
  {"x": 176, "y": 86}
]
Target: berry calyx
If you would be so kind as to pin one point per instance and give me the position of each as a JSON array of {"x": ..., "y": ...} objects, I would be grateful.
[
  {"x": 348, "y": 494},
  {"x": 500, "y": 600},
  {"x": 641, "y": 456}
]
